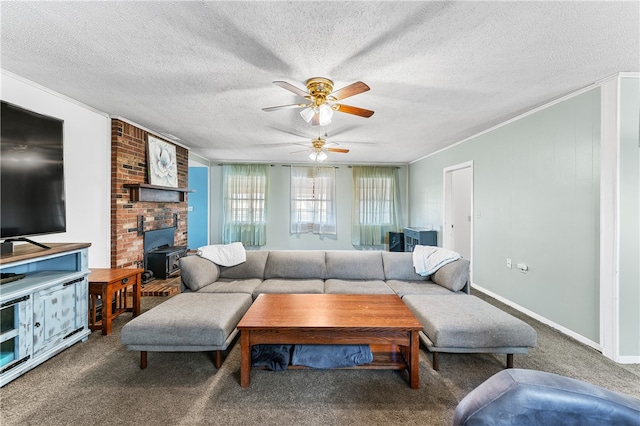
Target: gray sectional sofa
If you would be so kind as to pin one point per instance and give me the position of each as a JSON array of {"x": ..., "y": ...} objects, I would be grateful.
[
  {"x": 316, "y": 271},
  {"x": 347, "y": 272}
]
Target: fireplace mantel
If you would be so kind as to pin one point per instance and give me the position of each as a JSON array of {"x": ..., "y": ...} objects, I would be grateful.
[{"x": 146, "y": 192}]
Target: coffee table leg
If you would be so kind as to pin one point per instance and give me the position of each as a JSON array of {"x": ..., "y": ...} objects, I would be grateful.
[
  {"x": 245, "y": 359},
  {"x": 414, "y": 361}
]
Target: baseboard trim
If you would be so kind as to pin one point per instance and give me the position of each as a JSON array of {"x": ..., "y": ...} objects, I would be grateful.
[
  {"x": 542, "y": 319},
  {"x": 628, "y": 359}
]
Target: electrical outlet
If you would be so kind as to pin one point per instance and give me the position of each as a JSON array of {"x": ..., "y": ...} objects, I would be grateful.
[{"x": 508, "y": 263}]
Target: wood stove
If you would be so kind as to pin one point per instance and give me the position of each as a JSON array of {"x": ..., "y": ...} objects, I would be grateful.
[{"x": 161, "y": 257}]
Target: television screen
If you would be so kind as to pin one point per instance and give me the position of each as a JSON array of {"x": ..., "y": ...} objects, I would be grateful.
[{"x": 32, "y": 173}]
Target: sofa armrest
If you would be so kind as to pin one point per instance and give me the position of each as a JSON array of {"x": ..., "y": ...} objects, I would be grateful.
[
  {"x": 197, "y": 272},
  {"x": 453, "y": 276},
  {"x": 529, "y": 397}
]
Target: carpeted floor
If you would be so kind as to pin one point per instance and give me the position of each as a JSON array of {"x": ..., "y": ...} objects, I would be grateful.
[{"x": 100, "y": 382}]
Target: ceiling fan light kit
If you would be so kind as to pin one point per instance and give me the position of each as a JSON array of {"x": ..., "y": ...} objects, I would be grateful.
[
  {"x": 317, "y": 116},
  {"x": 307, "y": 114},
  {"x": 324, "y": 114},
  {"x": 318, "y": 156}
]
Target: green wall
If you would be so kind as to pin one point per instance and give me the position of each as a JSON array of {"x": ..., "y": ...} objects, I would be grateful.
[
  {"x": 536, "y": 201},
  {"x": 629, "y": 290},
  {"x": 278, "y": 237}
]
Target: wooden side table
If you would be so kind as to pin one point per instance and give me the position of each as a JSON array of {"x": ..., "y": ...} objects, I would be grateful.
[{"x": 110, "y": 285}]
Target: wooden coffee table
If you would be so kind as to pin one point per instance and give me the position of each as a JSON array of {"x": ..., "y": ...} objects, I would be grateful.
[{"x": 382, "y": 321}]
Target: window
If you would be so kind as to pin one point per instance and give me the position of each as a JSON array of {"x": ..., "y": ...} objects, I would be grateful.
[
  {"x": 313, "y": 197},
  {"x": 244, "y": 203},
  {"x": 376, "y": 203}
]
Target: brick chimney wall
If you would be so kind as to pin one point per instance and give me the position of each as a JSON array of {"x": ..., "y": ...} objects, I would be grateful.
[{"x": 129, "y": 165}]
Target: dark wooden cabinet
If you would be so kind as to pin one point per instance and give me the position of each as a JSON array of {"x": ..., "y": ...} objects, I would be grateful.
[{"x": 419, "y": 236}]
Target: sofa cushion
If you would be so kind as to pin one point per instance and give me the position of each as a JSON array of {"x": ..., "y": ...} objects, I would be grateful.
[
  {"x": 295, "y": 264},
  {"x": 280, "y": 285},
  {"x": 252, "y": 268},
  {"x": 454, "y": 275},
  {"x": 403, "y": 288},
  {"x": 197, "y": 272},
  {"x": 356, "y": 287},
  {"x": 399, "y": 266},
  {"x": 226, "y": 285},
  {"x": 354, "y": 265}
]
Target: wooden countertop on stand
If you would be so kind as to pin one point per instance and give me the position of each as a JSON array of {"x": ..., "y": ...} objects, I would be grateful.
[{"x": 29, "y": 251}]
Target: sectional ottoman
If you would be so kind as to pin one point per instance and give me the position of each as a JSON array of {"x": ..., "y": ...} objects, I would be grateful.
[
  {"x": 469, "y": 325},
  {"x": 188, "y": 322}
]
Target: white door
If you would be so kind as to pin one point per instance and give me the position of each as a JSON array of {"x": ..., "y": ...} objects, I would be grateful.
[{"x": 458, "y": 209}]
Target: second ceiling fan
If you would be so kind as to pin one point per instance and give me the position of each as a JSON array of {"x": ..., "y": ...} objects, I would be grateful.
[
  {"x": 318, "y": 149},
  {"x": 321, "y": 100}
]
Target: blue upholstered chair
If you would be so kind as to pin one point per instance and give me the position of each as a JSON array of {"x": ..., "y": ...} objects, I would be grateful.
[{"x": 529, "y": 397}]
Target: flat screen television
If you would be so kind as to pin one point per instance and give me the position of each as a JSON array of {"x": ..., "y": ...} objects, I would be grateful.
[{"x": 32, "y": 200}]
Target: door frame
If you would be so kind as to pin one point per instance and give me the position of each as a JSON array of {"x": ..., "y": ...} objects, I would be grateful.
[
  {"x": 447, "y": 200},
  {"x": 208, "y": 202}
]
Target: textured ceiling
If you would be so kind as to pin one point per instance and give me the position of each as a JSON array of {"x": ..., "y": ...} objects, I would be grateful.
[{"x": 439, "y": 71}]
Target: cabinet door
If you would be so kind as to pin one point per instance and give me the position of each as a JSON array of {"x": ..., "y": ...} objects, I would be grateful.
[
  {"x": 54, "y": 316},
  {"x": 16, "y": 337}
]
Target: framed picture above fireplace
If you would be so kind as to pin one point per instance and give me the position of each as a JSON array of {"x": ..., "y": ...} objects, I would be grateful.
[{"x": 161, "y": 161}]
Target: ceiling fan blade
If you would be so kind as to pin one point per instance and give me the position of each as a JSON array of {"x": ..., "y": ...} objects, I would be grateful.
[
  {"x": 276, "y": 108},
  {"x": 290, "y": 87},
  {"x": 353, "y": 110},
  {"x": 350, "y": 90},
  {"x": 342, "y": 150},
  {"x": 302, "y": 150}
]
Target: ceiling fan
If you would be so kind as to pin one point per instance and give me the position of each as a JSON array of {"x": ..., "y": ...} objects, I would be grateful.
[
  {"x": 319, "y": 150},
  {"x": 321, "y": 100}
]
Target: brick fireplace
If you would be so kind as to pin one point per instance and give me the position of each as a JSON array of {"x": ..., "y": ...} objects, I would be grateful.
[{"x": 129, "y": 219}]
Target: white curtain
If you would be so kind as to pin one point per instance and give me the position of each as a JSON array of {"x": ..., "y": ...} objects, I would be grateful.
[
  {"x": 313, "y": 200},
  {"x": 376, "y": 205},
  {"x": 245, "y": 188}
]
